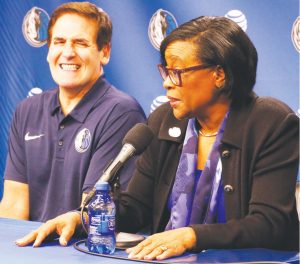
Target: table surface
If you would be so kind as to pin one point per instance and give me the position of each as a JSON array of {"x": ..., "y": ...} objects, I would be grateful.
[{"x": 52, "y": 252}]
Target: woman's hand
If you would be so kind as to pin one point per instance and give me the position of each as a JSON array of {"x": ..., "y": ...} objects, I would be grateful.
[
  {"x": 164, "y": 245},
  {"x": 64, "y": 225}
]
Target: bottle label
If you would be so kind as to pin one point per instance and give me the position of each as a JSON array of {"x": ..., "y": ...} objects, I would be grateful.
[
  {"x": 95, "y": 220},
  {"x": 93, "y": 230},
  {"x": 102, "y": 224}
]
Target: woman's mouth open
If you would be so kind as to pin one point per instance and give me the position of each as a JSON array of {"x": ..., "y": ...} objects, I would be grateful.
[{"x": 173, "y": 101}]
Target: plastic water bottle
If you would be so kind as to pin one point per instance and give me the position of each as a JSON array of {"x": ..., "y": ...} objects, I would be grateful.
[{"x": 102, "y": 212}]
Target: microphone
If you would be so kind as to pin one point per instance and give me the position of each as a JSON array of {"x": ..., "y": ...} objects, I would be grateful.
[{"x": 134, "y": 143}]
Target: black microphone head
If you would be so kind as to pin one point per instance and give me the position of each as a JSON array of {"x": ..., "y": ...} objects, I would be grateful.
[{"x": 140, "y": 137}]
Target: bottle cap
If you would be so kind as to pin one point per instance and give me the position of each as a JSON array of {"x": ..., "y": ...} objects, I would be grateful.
[{"x": 102, "y": 186}]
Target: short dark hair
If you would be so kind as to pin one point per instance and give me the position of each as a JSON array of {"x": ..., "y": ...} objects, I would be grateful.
[
  {"x": 220, "y": 41},
  {"x": 87, "y": 10}
]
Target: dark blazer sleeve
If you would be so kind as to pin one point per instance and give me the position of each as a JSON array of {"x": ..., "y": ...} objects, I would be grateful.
[
  {"x": 261, "y": 210},
  {"x": 136, "y": 206}
]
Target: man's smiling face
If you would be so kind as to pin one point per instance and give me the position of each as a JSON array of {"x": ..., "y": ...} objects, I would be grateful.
[{"x": 74, "y": 59}]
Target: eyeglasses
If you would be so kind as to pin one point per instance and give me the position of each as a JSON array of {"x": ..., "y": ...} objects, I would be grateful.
[{"x": 175, "y": 74}]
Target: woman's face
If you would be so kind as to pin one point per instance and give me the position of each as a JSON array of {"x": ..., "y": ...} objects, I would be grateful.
[{"x": 196, "y": 94}]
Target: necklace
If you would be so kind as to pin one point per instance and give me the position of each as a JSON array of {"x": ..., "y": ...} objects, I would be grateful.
[{"x": 208, "y": 135}]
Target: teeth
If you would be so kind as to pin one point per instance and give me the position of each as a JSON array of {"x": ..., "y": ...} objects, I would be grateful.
[{"x": 69, "y": 67}]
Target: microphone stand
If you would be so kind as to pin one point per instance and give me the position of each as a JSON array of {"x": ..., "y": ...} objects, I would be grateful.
[{"x": 124, "y": 240}]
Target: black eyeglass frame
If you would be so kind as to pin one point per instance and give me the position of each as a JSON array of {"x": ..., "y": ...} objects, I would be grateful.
[{"x": 179, "y": 71}]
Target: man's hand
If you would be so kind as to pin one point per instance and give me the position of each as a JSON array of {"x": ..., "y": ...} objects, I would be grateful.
[
  {"x": 63, "y": 225},
  {"x": 164, "y": 245}
]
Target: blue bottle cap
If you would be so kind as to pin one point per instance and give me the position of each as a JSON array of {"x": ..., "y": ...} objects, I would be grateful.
[{"x": 102, "y": 186}]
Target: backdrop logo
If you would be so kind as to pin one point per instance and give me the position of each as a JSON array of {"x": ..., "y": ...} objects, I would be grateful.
[
  {"x": 34, "y": 91},
  {"x": 35, "y": 27},
  {"x": 296, "y": 34},
  {"x": 83, "y": 140},
  {"x": 158, "y": 101},
  {"x": 238, "y": 17},
  {"x": 160, "y": 26}
]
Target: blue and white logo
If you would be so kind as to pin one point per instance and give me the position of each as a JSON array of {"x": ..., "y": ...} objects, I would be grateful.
[
  {"x": 160, "y": 26},
  {"x": 83, "y": 140},
  {"x": 111, "y": 223},
  {"x": 238, "y": 17},
  {"x": 34, "y": 91},
  {"x": 296, "y": 34},
  {"x": 34, "y": 27},
  {"x": 158, "y": 101}
]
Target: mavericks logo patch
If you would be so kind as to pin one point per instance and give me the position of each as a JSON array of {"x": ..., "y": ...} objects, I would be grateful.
[{"x": 83, "y": 140}]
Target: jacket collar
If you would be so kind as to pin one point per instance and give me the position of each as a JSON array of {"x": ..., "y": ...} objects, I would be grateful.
[{"x": 234, "y": 130}]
